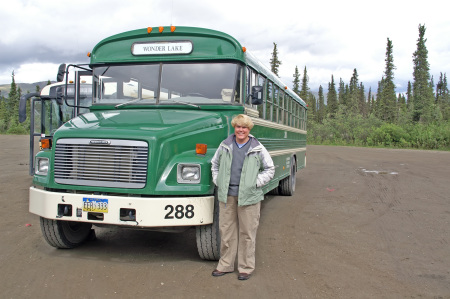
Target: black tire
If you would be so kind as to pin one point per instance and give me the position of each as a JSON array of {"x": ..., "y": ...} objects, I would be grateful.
[
  {"x": 65, "y": 234},
  {"x": 274, "y": 191},
  {"x": 287, "y": 185},
  {"x": 208, "y": 237}
]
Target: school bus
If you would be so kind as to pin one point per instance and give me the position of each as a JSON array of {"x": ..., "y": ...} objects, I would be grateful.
[{"x": 128, "y": 141}]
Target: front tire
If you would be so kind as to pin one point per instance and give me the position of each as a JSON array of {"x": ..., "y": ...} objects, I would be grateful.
[
  {"x": 208, "y": 237},
  {"x": 65, "y": 234}
]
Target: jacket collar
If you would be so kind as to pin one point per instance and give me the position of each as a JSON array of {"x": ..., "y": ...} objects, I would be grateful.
[{"x": 254, "y": 143}]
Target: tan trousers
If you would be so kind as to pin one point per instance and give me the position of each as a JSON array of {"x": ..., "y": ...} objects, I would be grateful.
[{"x": 238, "y": 226}]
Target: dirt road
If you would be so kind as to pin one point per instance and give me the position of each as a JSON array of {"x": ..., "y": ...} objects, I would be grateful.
[{"x": 364, "y": 223}]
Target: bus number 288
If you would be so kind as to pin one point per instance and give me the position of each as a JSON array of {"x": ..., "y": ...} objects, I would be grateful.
[{"x": 179, "y": 212}]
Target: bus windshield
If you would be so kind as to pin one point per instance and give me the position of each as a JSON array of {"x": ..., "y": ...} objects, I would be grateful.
[{"x": 157, "y": 84}]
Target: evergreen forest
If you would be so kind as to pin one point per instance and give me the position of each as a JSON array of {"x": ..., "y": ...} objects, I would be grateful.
[{"x": 355, "y": 116}]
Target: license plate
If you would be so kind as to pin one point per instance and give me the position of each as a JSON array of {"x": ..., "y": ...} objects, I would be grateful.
[{"x": 99, "y": 205}]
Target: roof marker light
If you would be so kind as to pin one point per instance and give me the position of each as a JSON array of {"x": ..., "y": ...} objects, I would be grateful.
[
  {"x": 89, "y": 54},
  {"x": 172, "y": 28},
  {"x": 285, "y": 87},
  {"x": 244, "y": 49},
  {"x": 149, "y": 29},
  {"x": 161, "y": 29}
]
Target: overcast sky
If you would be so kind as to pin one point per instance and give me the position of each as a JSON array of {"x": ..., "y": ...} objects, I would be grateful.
[{"x": 328, "y": 37}]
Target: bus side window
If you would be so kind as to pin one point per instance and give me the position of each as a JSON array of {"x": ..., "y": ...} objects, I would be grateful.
[
  {"x": 269, "y": 100},
  {"x": 238, "y": 88},
  {"x": 251, "y": 78},
  {"x": 283, "y": 108},
  {"x": 276, "y": 104},
  {"x": 262, "y": 108}
]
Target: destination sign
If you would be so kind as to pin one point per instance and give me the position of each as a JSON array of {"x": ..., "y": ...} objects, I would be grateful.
[{"x": 162, "y": 48}]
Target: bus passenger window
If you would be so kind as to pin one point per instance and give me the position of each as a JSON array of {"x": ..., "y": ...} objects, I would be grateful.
[
  {"x": 269, "y": 99},
  {"x": 238, "y": 88}
]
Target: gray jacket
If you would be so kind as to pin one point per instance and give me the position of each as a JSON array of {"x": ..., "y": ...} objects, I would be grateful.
[{"x": 257, "y": 170}]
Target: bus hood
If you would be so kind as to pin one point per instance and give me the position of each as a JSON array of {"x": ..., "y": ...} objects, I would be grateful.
[{"x": 141, "y": 124}]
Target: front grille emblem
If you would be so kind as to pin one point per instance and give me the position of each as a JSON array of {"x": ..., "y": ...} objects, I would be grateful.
[{"x": 100, "y": 142}]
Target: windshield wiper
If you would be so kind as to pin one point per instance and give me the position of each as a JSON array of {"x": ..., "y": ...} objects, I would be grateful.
[
  {"x": 176, "y": 102},
  {"x": 129, "y": 102},
  {"x": 183, "y": 103}
]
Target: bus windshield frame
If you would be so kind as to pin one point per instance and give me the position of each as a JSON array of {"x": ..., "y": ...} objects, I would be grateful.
[{"x": 200, "y": 83}]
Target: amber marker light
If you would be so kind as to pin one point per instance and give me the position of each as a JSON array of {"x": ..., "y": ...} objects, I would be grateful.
[
  {"x": 89, "y": 54},
  {"x": 172, "y": 28},
  {"x": 45, "y": 143},
  {"x": 285, "y": 87},
  {"x": 149, "y": 29},
  {"x": 161, "y": 29},
  {"x": 244, "y": 49},
  {"x": 200, "y": 149}
]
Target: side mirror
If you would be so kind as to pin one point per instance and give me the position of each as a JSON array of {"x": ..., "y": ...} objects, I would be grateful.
[
  {"x": 257, "y": 95},
  {"x": 23, "y": 105},
  {"x": 59, "y": 95},
  {"x": 61, "y": 72}
]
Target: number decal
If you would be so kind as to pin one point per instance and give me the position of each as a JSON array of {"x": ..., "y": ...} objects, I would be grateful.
[
  {"x": 189, "y": 211},
  {"x": 179, "y": 212},
  {"x": 169, "y": 215}
]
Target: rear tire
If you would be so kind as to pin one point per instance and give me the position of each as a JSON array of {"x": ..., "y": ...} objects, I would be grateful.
[
  {"x": 65, "y": 234},
  {"x": 208, "y": 237},
  {"x": 287, "y": 185}
]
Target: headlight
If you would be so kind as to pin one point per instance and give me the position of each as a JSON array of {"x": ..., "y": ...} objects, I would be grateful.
[
  {"x": 41, "y": 166},
  {"x": 188, "y": 173}
]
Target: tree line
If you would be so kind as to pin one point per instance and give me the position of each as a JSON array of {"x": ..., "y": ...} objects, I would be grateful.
[{"x": 352, "y": 116}]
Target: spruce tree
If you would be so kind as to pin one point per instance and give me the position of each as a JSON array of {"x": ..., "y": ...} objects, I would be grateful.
[
  {"x": 369, "y": 102},
  {"x": 3, "y": 115},
  {"x": 354, "y": 93},
  {"x": 312, "y": 106},
  {"x": 362, "y": 100},
  {"x": 377, "y": 106},
  {"x": 409, "y": 94},
  {"x": 296, "y": 86},
  {"x": 332, "y": 104},
  {"x": 11, "y": 101},
  {"x": 342, "y": 93},
  {"x": 388, "y": 96},
  {"x": 321, "y": 109},
  {"x": 422, "y": 98},
  {"x": 13, "y": 106},
  {"x": 442, "y": 96},
  {"x": 274, "y": 61},
  {"x": 304, "y": 92}
]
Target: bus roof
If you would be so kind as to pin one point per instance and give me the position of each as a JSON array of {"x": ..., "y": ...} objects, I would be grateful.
[
  {"x": 209, "y": 45},
  {"x": 178, "y": 44}
]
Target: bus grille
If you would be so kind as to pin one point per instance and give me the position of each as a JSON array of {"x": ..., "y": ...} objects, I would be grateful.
[{"x": 101, "y": 163}]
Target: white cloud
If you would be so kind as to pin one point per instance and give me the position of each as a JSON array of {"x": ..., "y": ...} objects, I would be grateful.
[
  {"x": 28, "y": 73},
  {"x": 328, "y": 37}
]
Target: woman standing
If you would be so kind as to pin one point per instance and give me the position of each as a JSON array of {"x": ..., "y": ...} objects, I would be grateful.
[{"x": 240, "y": 167}]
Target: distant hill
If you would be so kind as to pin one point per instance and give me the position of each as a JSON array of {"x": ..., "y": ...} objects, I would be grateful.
[{"x": 25, "y": 87}]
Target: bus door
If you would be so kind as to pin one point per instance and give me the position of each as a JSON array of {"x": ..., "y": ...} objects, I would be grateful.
[{"x": 55, "y": 105}]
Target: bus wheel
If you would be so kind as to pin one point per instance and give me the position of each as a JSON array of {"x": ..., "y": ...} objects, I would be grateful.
[
  {"x": 65, "y": 234},
  {"x": 208, "y": 237},
  {"x": 287, "y": 185}
]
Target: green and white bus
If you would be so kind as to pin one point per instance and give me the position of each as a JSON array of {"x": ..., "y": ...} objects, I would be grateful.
[{"x": 129, "y": 142}]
